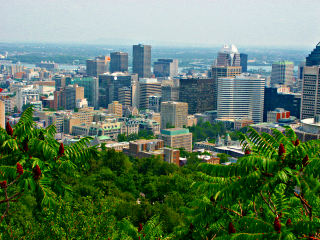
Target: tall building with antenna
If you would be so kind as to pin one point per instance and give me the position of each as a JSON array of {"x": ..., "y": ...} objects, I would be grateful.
[{"x": 228, "y": 56}]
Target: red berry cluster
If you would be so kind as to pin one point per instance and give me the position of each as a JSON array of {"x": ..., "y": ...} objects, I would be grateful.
[
  {"x": 277, "y": 225},
  {"x": 9, "y": 129},
  {"x": 231, "y": 228},
  {"x": 288, "y": 222},
  {"x": 19, "y": 169},
  {"x": 61, "y": 149},
  {"x": 36, "y": 172},
  {"x": 3, "y": 184},
  {"x": 305, "y": 161},
  {"x": 281, "y": 150},
  {"x": 247, "y": 152},
  {"x": 296, "y": 142}
]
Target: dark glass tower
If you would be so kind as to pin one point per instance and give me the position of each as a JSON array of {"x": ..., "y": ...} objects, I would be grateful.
[
  {"x": 244, "y": 61},
  {"x": 314, "y": 57},
  {"x": 142, "y": 60},
  {"x": 118, "y": 62}
]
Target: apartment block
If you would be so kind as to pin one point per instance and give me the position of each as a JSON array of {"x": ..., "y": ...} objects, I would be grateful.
[
  {"x": 177, "y": 138},
  {"x": 115, "y": 108},
  {"x": 175, "y": 113}
]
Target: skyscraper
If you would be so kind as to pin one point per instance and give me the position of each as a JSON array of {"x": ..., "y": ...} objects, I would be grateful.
[
  {"x": 282, "y": 73},
  {"x": 198, "y": 93},
  {"x": 228, "y": 56},
  {"x": 241, "y": 97},
  {"x": 221, "y": 71},
  {"x": 146, "y": 88},
  {"x": 314, "y": 57},
  {"x": 97, "y": 66},
  {"x": 310, "y": 105},
  {"x": 142, "y": 60},
  {"x": 166, "y": 68},
  {"x": 118, "y": 62},
  {"x": 244, "y": 62}
]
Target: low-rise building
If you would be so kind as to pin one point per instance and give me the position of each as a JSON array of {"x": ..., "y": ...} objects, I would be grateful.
[
  {"x": 278, "y": 113},
  {"x": 240, "y": 123},
  {"x": 177, "y": 138}
]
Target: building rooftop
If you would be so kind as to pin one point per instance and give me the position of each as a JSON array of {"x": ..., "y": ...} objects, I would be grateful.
[{"x": 174, "y": 131}]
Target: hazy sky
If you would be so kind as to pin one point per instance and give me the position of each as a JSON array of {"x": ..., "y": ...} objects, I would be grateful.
[{"x": 210, "y": 22}]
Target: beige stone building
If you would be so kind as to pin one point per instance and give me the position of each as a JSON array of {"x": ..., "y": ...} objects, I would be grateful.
[
  {"x": 115, "y": 108},
  {"x": 2, "y": 115},
  {"x": 175, "y": 113},
  {"x": 177, "y": 138}
]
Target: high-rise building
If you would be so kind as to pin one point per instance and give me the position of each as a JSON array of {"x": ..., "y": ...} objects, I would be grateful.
[
  {"x": 314, "y": 57},
  {"x": 146, "y": 88},
  {"x": 174, "y": 113},
  {"x": 241, "y": 97},
  {"x": 228, "y": 56},
  {"x": 177, "y": 138},
  {"x": 274, "y": 99},
  {"x": 166, "y": 68},
  {"x": 2, "y": 115},
  {"x": 155, "y": 103},
  {"x": 109, "y": 85},
  {"x": 244, "y": 62},
  {"x": 67, "y": 97},
  {"x": 91, "y": 89},
  {"x": 198, "y": 93},
  {"x": 170, "y": 93},
  {"x": 61, "y": 81},
  {"x": 282, "y": 73},
  {"x": 115, "y": 108},
  {"x": 221, "y": 71},
  {"x": 142, "y": 60},
  {"x": 97, "y": 66},
  {"x": 118, "y": 62},
  {"x": 310, "y": 105}
]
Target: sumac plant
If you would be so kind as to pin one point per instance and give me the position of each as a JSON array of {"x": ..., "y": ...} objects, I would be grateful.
[
  {"x": 33, "y": 162},
  {"x": 272, "y": 192}
]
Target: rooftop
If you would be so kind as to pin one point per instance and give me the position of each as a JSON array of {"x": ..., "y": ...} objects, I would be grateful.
[{"x": 174, "y": 131}]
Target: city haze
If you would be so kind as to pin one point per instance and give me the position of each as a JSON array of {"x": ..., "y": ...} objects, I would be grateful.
[{"x": 201, "y": 23}]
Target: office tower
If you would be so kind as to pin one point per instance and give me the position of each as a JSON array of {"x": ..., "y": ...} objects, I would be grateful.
[
  {"x": 274, "y": 99},
  {"x": 118, "y": 62},
  {"x": 241, "y": 97},
  {"x": 91, "y": 89},
  {"x": 67, "y": 97},
  {"x": 166, "y": 68},
  {"x": 282, "y": 73},
  {"x": 115, "y": 108},
  {"x": 228, "y": 56},
  {"x": 310, "y": 105},
  {"x": 314, "y": 57},
  {"x": 177, "y": 138},
  {"x": 146, "y": 88},
  {"x": 2, "y": 115},
  {"x": 221, "y": 71},
  {"x": 170, "y": 93},
  {"x": 15, "y": 69},
  {"x": 198, "y": 93},
  {"x": 109, "y": 85},
  {"x": 154, "y": 103},
  {"x": 174, "y": 113},
  {"x": 142, "y": 60},
  {"x": 61, "y": 81},
  {"x": 244, "y": 62},
  {"x": 97, "y": 66}
]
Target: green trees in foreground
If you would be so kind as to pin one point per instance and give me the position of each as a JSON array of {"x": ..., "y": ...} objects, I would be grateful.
[
  {"x": 271, "y": 193},
  {"x": 51, "y": 191}
]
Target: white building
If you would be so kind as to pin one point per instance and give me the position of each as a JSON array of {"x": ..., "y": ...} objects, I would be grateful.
[{"x": 241, "y": 97}]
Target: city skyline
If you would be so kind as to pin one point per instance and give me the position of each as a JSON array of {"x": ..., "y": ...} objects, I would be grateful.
[{"x": 166, "y": 22}]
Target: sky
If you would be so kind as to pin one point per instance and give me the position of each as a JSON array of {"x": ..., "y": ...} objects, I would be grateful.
[{"x": 163, "y": 22}]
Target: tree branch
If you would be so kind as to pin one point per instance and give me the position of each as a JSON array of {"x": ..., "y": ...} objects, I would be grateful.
[
  {"x": 254, "y": 207},
  {"x": 264, "y": 199}
]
